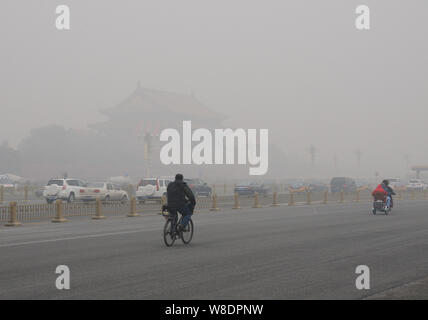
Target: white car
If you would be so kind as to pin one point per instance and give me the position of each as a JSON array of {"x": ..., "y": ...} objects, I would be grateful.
[
  {"x": 152, "y": 188},
  {"x": 416, "y": 184},
  {"x": 64, "y": 189},
  {"x": 106, "y": 191}
]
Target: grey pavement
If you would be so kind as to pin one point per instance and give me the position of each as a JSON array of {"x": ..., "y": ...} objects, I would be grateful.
[{"x": 298, "y": 252}]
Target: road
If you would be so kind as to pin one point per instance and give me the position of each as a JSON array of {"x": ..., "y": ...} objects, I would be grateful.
[{"x": 298, "y": 252}]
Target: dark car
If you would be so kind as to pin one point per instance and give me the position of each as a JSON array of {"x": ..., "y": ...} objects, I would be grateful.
[
  {"x": 199, "y": 187},
  {"x": 345, "y": 184},
  {"x": 250, "y": 188}
]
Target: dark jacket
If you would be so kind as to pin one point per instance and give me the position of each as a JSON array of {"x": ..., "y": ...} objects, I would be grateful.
[
  {"x": 177, "y": 193},
  {"x": 388, "y": 189}
]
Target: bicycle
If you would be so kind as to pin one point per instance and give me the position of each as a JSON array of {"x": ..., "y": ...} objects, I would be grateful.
[{"x": 170, "y": 232}]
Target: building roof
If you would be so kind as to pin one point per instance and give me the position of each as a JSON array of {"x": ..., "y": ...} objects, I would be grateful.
[{"x": 144, "y": 100}]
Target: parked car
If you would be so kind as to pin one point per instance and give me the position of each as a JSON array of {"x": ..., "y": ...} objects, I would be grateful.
[
  {"x": 152, "y": 188},
  {"x": 104, "y": 190},
  {"x": 250, "y": 188},
  {"x": 297, "y": 187},
  {"x": 345, "y": 184},
  {"x": 9, "y": 182},
  {"x": 317, "y": 188},
  {"x": 416, "y": 184},
  {"x": 64, "y": 189},
  {"x": 199, "y": 187}
]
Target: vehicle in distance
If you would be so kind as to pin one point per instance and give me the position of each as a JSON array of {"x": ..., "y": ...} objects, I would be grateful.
[
  {"x": 64, "y": 189},
  {"x": 152, "y": 188},
  {"x": 297, "y": 187},
  {"x": 416, "y": 184},
  {"x": 106, "y": 191},
  {"x": 7, "y": 183},
  {"x": 317, "y": 188},
  {"x": 199, "y": 187},
  {"x": 250, "y": 188},
  {"x": 344, "y": 184}
]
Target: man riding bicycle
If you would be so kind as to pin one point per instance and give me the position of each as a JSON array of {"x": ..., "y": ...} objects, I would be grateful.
[{"x": 181, "y": 199}]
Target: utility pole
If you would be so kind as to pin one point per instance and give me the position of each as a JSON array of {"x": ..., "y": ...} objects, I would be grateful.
[
  {"x": 312, "y": 152},
  {"x": 358, "y": 155},
  {"x": 407, "y": 160},
  {"x": 148, "y": 147}
]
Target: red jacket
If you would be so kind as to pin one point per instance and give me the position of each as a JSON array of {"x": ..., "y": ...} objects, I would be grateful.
[{"x": 379, "y": 189}]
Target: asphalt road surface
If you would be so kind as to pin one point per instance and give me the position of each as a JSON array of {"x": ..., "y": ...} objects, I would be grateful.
[{"x": 300, "y": 252}]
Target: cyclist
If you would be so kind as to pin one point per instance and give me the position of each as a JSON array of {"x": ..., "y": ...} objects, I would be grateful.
[{"x": 181, "y": 199}]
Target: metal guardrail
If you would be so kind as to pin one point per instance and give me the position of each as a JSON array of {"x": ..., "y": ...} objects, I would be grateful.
[{"x": 39, "y": 211}]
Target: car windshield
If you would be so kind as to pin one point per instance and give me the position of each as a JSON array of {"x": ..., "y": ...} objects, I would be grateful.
[
  {"x": 338, "y": 181},
  {"x": 57, "y": 182},
  {"x": 96, "y": 185},
  {"x": 147, "y": 182},
  {"x": 74, "y": 183},
  {"x": 244, "y": 183}
]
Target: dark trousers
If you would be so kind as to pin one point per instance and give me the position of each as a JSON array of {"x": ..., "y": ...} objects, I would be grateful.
[{"x": 186, "y": 211}]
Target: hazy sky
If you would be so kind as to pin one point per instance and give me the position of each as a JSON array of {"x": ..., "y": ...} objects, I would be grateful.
[{"x": 299, "y": 68}]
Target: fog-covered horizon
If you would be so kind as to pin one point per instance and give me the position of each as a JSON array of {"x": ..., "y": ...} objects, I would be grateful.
[{"x": 297, "y": 68}]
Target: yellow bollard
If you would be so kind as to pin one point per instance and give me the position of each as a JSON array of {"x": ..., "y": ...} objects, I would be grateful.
[
  {"x": 358, "y": 196},
  {"x": 274, "y": 200},
  {"x": 425, "y": 195},
  {"x": 236, "y": 200},
  {"x": 13, "y": 222},
  {"x": 325, "y": 199},
  {"x": 59, "y": 213},
  {"x": 291, "y": 199},
  {"x": 1, "y": 193},
  {"x": 342, "y": 196},
  {"x": 163, "y": 202},
  {"x": 26, "y": 193},
  {"x": 308, "y": 197},
  {"x": 133, "y": 208},
  {"x": 400, "y": 196},
  {"x": 98, "y": 210},
  {"x": 256, "y": 200},
  {"x": 214, "y": 203}
]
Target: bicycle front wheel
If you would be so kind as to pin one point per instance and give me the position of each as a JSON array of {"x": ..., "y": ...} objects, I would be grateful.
[
  {"x": 168, "y": 234},
  {"x": 186, "y": 235}
]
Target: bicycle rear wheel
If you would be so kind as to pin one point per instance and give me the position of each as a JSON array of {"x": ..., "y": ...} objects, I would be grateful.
[
  {"x": 186, "y": 235},
  {"x": 168, "y": 234}
]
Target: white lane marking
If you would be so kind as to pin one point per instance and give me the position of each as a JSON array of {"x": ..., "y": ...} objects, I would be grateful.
[{"x": 74, "y": 238}]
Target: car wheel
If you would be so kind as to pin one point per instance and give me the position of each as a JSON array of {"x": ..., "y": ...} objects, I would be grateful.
[
  {"x": 107, "y": 199},
  {"x": 124, "y": 199},
  {"x": 49, "y": 201},
  {"x": 71, "y": 198}
]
